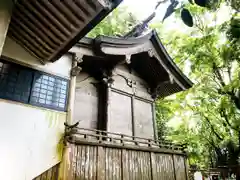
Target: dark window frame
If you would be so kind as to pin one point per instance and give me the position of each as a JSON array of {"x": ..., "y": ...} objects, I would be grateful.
[{"x": 59, "y": 84}]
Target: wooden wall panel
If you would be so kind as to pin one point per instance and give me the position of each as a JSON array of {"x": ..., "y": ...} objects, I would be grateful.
[
  {"x": 113, "y": 164},
  {"x": 120, "y": 114},
  {"x": 84, "y": 163},
  {"x": 165, "y": 169},
  {"x": 180, "y": 167},
  {"x": 86, "y": 103},
  {"x": 122, "y": 74},
  {"x": 105, "y": 163},
  {"x": 143, "y": 119},
  {"x": 120, "y": 83}
]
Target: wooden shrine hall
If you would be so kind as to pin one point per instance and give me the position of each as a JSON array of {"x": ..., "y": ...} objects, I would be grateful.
[{"x": 115, "y": 133}]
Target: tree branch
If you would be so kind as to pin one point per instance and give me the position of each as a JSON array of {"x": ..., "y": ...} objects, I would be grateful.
[
  {"x": 218, "y": 75},
  {"x": 224, "y": 115},
  {"x": 229, "y": 73},
  {"x": 213, "y": 130}
]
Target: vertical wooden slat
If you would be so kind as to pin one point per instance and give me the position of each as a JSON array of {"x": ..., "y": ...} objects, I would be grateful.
[
  {"x": 111, "y": 164},
  {"x": 94, "y": 163},
  {"x": 158, "y": 168},
  {"x": 149, "y": 164},
  {"x": 146, "y": 165},
  {"x": 141, "y": 170},
  {"x": 38, "y": 178},
  {"x": 125, "y": 165},
  {"x": 130, "y": 161},
  {"x": 55, "y": 173},
  {"x": 153, "y": 166},
  {"x": 107, "y": 163},
  {"x": 49, "y": 174},
  {"x": 120, "y": 164},
  {"x": 134, "y": 170},
  {"x": 186, "y": 168},
  {"x": 101, "y": 161},
  {"x": 118, "y": 168},
  {"x": 87, "y": 164},
  {"x": 90, "y": 162},
  {"x": 44, "y": 176},
  {"x": 78, "y": 163},
  {"x": 179, "y": 167},
  {"x": 83, "y": 157},
  {"x": 74, "y": 162},
  {"x": 174, "y": 168}
]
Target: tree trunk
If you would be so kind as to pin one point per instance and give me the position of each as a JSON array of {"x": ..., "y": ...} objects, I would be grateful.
[{"x": 237, "y": 172}]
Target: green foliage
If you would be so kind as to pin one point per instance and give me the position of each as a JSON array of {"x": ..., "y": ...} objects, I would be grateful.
[
  {"x": 206, "y": 117},
  {"x": 118, "y": 23}
]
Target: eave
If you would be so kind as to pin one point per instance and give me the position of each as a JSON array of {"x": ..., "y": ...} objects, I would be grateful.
[
  {"x": 48, "y": 29},
  {"x": 147, "y": 56}
]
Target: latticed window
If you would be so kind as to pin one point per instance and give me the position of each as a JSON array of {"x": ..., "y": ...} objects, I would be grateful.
[
  {"x": 49, "y": 91},
  {"x": 29, "y": 86}
]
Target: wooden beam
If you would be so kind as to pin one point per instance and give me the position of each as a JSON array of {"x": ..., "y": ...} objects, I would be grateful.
[
  {"x": 71, "y": 95},
  {"x": 5, "y": 18}
]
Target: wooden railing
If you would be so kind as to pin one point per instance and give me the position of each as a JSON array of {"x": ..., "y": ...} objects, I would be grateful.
[
  {"x": 78, "y": 135},
  {"x": 101, "y": 155}
]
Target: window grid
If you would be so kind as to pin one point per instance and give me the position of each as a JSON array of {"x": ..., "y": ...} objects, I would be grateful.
[
  {"x": 29, "y": 86},
  {"x": 15, "y": 82},
  {"x": 49, "y": 91}
]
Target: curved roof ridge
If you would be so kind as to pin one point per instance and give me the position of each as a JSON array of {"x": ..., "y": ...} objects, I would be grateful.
[
  {"x": 118, "y": 40},
  {"x": 119, "y": 46},
  {"x": 158, "y": 44}
]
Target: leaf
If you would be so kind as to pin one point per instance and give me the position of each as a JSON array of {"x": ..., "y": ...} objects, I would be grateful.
[
  {"x": 170, "y": 9},
  {"x": 202, "y": 3},
  {"x": 187, "y": 17},
  {"x": 191, "y": 1}
]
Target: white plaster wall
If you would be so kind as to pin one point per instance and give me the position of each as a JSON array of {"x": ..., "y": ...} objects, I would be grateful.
[
  {"x": 30, "y": 138},
  {"x": 14, "y": 51}
]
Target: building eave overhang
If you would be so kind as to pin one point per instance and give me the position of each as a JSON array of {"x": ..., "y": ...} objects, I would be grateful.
[
  {"x": 48, "y": 29},
  {"x": 150, "y": 44}
]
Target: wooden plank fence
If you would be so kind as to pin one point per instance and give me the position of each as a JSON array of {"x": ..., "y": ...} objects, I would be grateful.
[{"x": 93, "y": 158}]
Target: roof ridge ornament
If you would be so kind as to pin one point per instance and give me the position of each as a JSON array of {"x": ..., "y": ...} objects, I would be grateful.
[
  {"x": 128, "y": 58},
  {"x": 106, "y": 4},
  {"x": 151, "y": 53}
]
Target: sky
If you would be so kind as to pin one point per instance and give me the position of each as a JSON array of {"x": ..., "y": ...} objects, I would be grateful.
[
  {"x": 143, "y": 8},
  {"x": 140, "y": 7}
]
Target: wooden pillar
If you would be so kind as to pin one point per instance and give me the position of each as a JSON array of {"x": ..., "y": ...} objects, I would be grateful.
[
  {"x": 65, "y": 167},
  {"x": 71, "y": 94},
  {"x": 103, "y": 94},
  {"x": 5, "y": 18},
  {"x": 133, "y": 116},
  {"x": 155, "y": 131}
]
